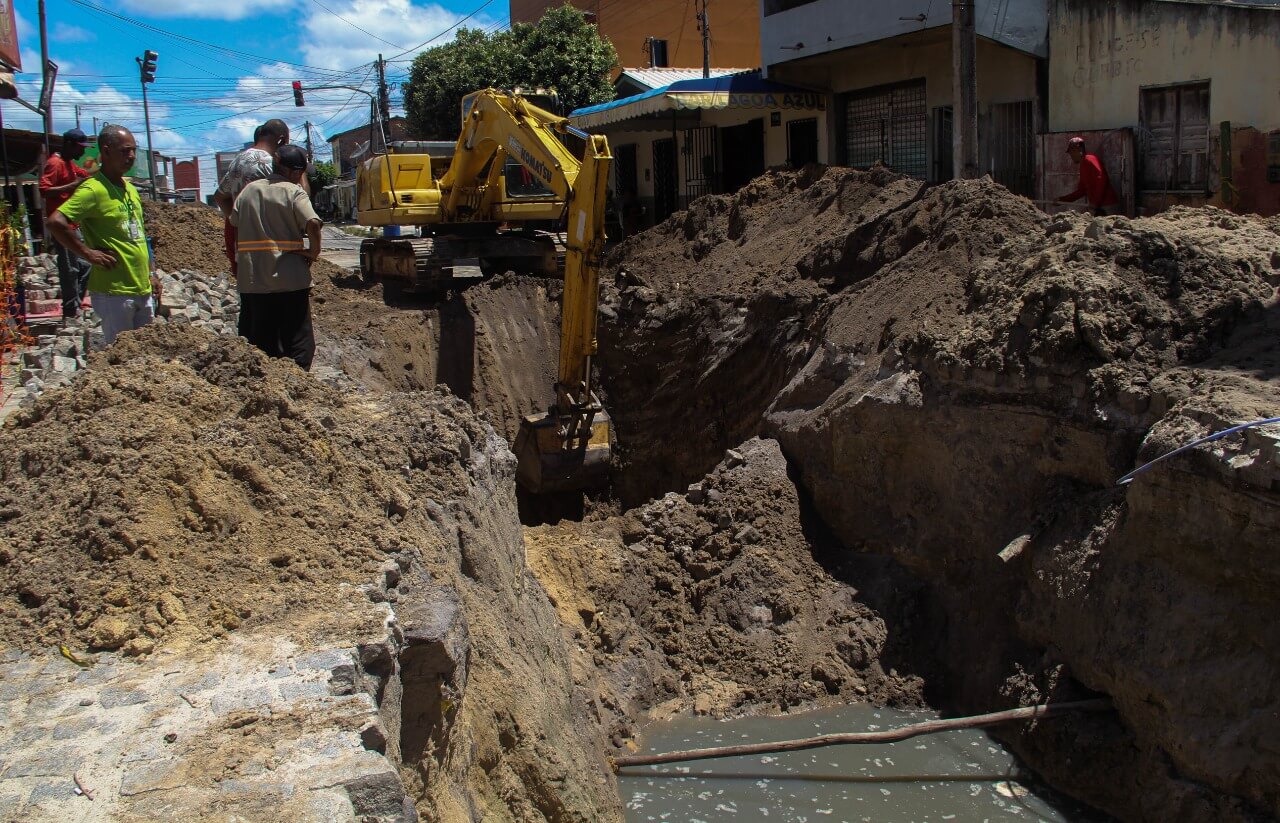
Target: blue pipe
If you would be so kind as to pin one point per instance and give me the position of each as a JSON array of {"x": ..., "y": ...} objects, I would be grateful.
[{"x": 1209, "y": 439}]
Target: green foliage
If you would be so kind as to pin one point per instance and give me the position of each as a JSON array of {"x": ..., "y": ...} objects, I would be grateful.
[
  {"x": 562, "y": 51},
  {"x": 322, "y": 174}
]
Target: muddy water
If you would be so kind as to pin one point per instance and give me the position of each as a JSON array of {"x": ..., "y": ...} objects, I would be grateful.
[{"x": 959, "y": 776}]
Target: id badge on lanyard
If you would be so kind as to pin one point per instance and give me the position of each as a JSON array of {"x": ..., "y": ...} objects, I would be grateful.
[{"x": 132, "y": 225}]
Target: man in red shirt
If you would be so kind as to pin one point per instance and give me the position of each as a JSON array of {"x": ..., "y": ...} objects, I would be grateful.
[
  {"x": 62, "y": 176},
  {"x": 1094, "y": 184}
]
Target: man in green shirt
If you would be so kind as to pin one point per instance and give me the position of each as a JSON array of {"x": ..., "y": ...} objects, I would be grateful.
[{"x": 109, "y": 213}]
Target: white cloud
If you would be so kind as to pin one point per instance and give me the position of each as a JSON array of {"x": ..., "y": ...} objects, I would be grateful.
[
  {"x": 334, "y": 44},
  {"x": 219, "y": 10},
  {"x": 66, "y": 33}
]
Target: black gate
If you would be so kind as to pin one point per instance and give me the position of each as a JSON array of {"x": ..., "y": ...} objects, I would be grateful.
[
  {"x": 664, "y": 179},
  {"x": 699, "y": 162},
  {"x": 888, "y": 124}
]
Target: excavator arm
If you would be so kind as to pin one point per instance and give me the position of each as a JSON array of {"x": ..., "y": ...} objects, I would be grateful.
[{"x": 568, "y": 447}]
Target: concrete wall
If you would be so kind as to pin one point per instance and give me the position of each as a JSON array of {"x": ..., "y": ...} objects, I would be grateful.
[
  {"x": 735, "y": 29},
  {"x": 1101, "y": 55},
  {"x": 825, "y": 26}
]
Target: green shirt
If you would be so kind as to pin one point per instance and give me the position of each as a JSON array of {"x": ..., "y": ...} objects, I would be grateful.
[{"x": 105, "y": 213}]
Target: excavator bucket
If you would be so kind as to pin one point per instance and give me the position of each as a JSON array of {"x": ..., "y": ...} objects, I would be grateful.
[{"x": 547, "y": 462}]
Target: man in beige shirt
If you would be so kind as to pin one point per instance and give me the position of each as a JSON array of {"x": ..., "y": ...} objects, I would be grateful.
[{"x": 273, "y": 274}]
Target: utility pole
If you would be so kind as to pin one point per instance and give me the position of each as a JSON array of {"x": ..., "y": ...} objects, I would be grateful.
[
  {"x": 77, "y": 115},
  {"x": 964, "y": 78},
  {"x": 383, "y": 102},
  {"x": 705, "y": 27},
  {"x": 147, "y": 74},
  {"x": 44, "y": 70},
  {"x": 95, "y": 125},
  {"x": 307, "y": 126}
]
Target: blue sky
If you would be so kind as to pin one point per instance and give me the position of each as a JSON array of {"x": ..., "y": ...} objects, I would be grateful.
[{"x": 235, "y": 66}]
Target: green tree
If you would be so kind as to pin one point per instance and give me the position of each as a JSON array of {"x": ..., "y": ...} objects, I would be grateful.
[
  {"x": 322, "y": 174},
  {"x": 562, "y": 51}
]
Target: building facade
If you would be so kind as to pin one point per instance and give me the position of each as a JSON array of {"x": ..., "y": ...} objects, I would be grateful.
[
  {"x": 887, "y": 71},
  {"x": 186, "y": 179},
  {"x": 1197, "y": 83},
  {"x": 633, "y": 29},
  {"x": 352, "y": 146}
]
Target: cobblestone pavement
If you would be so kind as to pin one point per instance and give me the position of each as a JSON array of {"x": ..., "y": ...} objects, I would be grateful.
[{"x": 258, "y": 729}]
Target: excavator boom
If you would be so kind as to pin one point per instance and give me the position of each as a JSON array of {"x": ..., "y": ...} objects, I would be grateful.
[{"x": 568, "y": 448}]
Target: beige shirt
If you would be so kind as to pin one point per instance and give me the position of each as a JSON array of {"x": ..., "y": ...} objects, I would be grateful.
[{"x": 271, "y": 218}]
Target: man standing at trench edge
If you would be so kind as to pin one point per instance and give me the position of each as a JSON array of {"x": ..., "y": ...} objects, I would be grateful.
[
  {"x": 109, "y": 213},
  {"x": 254, "y": 163},
  {"x": 273, "y": 274}
]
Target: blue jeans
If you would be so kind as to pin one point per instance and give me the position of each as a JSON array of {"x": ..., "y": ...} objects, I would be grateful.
[{"x": 122, "y": 312}]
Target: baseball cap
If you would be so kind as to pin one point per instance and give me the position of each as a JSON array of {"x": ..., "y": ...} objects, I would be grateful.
[
  {"x": 75, "y": 136},
  {"x": 291, "y": 157}
]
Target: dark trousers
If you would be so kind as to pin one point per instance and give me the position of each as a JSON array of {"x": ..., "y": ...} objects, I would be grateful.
[
  {"x": 73, "y": 277},
  {"x": 280, "y": 324}
]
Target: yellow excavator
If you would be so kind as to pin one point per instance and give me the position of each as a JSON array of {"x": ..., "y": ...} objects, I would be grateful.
[{"x": 468, "y": 211}]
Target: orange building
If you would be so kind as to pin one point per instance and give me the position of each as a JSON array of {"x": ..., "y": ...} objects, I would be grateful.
[{"x": 630, "y": 25}]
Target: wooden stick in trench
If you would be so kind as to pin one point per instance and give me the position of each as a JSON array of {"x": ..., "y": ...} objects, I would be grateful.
[{"x": 891, "y": 736}]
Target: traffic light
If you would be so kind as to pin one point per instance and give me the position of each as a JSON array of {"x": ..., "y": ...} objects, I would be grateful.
[
  {"x": 148, "y": 62},
  {"x": 297, "y": 93}
]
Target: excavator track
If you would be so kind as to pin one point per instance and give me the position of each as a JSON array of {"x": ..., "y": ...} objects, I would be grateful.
[{"x": 435, "y": 264}]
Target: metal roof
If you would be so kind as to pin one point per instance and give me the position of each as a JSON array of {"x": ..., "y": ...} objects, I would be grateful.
[{"x": 659, "y": 77}]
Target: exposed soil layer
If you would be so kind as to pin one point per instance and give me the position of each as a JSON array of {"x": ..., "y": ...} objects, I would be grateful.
[
  {"x": 956, "y": 380},
  {"x": 951, "y": 382},
  {"x": 712, "y": 601}
]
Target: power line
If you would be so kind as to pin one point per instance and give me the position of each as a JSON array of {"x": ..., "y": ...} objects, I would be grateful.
[
  {"x": 223, "y": 49},
  {"x": 479, "y": 9},
  {"x": 354, "y": 26}
]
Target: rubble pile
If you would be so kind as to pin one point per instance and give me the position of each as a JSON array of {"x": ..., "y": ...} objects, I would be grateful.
[{"x": 188, "y": 297}]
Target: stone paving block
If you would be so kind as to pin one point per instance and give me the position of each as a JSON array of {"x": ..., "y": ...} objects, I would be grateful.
[
  {"x": 224, "y": 703},
  {"x": 303, "y": 690},
  {"x": 257, "y": 789},
  {"x": 80, "y": 727},
  {"x": 43, "y": 762},
  {"x": 113, "y": 697},
  {"x": 329, "y": 660},
  {"x": 329, "y": 806},
  {"x": 380, "y": 796},
  {"x": 150, "y": 776},
  {"x": 57, "y": 791}
]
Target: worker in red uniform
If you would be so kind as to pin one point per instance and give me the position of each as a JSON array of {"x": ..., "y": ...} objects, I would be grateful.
[{"x": 1094, "y": 184}]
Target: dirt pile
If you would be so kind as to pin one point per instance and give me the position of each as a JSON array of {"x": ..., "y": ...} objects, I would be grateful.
[
  {"x": 956, "y": 380},
  {"x": 713, "y": 601},
  {"x": 186, "y": 485},
  {"x": 190, "y": 237}
]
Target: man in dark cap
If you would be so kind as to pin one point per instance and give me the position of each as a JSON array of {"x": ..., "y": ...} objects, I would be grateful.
[
  {"x": 1094, "y": 184},
  {"x": 273, "y": 271},
  {"x": 62, "y": 176}
]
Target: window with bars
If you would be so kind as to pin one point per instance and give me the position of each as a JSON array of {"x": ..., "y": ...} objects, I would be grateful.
[
  {"x": 890, "y": 125},
  {"x": 1175, "y": 123}
]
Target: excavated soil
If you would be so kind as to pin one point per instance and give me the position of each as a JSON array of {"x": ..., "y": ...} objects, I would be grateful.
[
  {"x": 945, "y": 383},
  {"x": 712, "y": 601},
  {"x": 187, "y": 486}
]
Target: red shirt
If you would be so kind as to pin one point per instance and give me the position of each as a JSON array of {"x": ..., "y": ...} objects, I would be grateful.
[
  {"x": 1093, "y": 184},
  {"x": 58, "y": 172}
]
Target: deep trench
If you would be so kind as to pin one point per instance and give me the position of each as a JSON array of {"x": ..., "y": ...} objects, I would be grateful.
[{"x": 684, "y": 382}]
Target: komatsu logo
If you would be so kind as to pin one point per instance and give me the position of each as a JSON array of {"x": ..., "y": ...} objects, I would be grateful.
[{"x": 534, "y": 164}]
